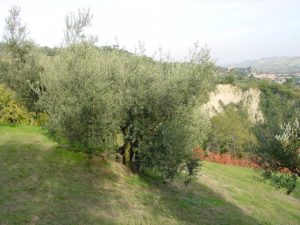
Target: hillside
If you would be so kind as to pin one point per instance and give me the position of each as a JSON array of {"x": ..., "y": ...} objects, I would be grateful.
[
  {"x": 273, "y": 64},
  {"x": 42, "y": 183}
]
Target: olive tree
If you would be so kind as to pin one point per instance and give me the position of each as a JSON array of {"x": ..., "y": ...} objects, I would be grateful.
[
  {"x": 279, "y": 136},
  {"x": 75, "y": 27},
  {"x": 278, "y": 150},
  {"x": 80, "y": 97},
  {"x": 93, "y": 95},
  {"x": 16, "y": 35},
  {"x": 160, "y": 98},
  {"x": 23, "y": 66}
]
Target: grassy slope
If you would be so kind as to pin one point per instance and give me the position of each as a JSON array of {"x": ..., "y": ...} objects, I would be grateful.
[
  {"x": 243, "y": 188},
  {"x": 41, "y": 183}
]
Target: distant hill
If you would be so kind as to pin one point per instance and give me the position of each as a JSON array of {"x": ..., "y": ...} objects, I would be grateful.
[{"x": 273, "y": 64}]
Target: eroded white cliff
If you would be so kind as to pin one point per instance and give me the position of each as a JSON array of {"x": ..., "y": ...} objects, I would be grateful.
[{"x": 226, "y": 94}]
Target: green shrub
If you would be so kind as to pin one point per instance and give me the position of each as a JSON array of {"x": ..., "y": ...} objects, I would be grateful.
[
  {"x": 10, "y": 110},
  {"x": 231, "y": 131},
  {"x": 280, "y": 180},
  {"x": 279, "y": 136},
  {"x": 41, "y": 118}
]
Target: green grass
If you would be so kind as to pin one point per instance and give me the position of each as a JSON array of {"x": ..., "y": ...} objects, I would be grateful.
[
  {"x": 43, "y": 183},
  {"x": 243, "y": 187}
]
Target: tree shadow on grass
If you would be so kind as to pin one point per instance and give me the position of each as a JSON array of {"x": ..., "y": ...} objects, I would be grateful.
[
  {"x": 53, "y": 187},
  {"x": 195, "y": 204}
]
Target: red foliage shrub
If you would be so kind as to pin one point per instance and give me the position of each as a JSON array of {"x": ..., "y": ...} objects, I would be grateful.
[
  {"x": 225, "y": 158},
  {"x": 228, "y": 159}
]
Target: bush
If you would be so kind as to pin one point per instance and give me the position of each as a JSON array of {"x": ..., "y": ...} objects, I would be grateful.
[
  {"x": 280, "y": 180},
  {"x": 231, "y": 131},
  {"x": 229, "y": 79},
  {"x": 10, "y": 110}
]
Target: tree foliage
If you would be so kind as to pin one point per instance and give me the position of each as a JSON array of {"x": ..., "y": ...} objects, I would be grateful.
[
  {"x": 160, "y": 97},
  {"x": 16, "y": 35},
  {"x": 75, "y": 25},
  {"x": 93, "y": 95},
  {"x": 10, "y": 110},
  {"x": 22, "y": 66},
  {"x": 278, "y": 137},
  {"x": 231, "y": 131},
  {"x": 80, "y": 96}
]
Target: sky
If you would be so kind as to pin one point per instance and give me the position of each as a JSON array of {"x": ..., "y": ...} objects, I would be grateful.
[{"x": 234, "y": 30}]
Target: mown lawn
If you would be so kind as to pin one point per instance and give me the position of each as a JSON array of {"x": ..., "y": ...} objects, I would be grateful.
[{"x": 42, "y": 183}]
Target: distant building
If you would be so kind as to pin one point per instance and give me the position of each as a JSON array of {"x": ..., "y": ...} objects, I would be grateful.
[{"x": 267, "y": 76}]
